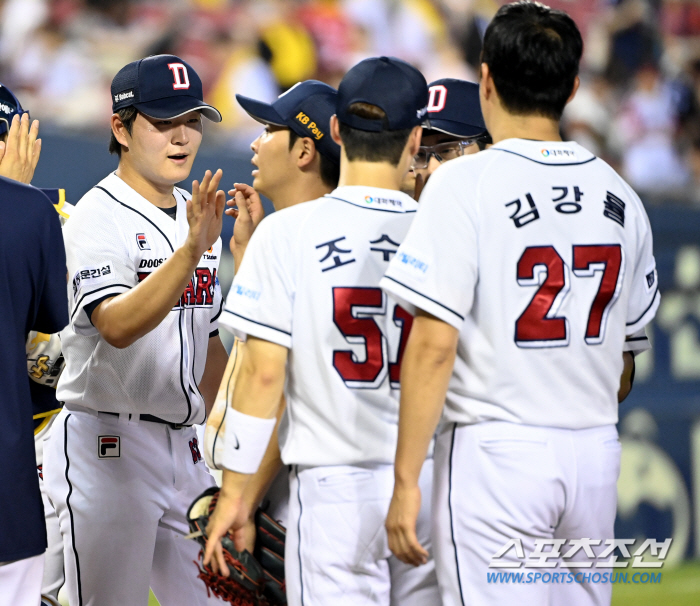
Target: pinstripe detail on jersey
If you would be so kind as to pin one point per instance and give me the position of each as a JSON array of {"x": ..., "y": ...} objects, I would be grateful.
[
  {"x": 92, "y": 292},
  {"x": 258, "y": 323},
  {"x": 508, "y": 151},
  {"x": 138, "y": 213},
  {"x": 70, "y": 511},
  {"x": 182, "y": 378},
  {"x": 301, "y": 576},
  {"x": 194, "y": 360},
  {"x": 653, "y": 299},
  {"x": 452, "y": 311},
  {"x": 221, "y": 308},
  {"x": 452, "y": 523}
]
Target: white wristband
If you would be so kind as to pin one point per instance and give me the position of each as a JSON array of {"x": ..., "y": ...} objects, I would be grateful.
[{"x": 245, "y": 441}]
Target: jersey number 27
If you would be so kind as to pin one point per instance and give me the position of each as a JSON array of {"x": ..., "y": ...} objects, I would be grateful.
[
  {"x": 355, "y": 313},
  {"x": 540, "y": 325}
]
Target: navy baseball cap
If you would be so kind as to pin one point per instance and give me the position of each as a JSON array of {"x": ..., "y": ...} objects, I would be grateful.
[
  {"x": 9, "y": 106},
  {"x": 454, "y": 108},
  {"x": 161, "y": 86},
  {"x": 389, "y": 83},
  {"x": 306, "y": 109}
]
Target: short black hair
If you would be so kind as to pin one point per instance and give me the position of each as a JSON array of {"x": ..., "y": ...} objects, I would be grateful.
[
  {"x": 383, "y": 146},
  {"x": 533, "y": 54},
  {"x": 330, "y": 170},
  {"x": 127, "y": 115}
]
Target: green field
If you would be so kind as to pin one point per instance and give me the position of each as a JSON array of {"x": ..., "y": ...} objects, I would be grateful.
[{"x": 678, "y": 587}]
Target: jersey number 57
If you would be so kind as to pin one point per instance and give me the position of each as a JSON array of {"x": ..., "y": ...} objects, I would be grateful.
[{"x": 356, "y": 311}]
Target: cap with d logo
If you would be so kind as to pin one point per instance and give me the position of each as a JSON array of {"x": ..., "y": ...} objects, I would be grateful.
[
  {"x": 391, "y": 84},
  {"x": 306, "y": 108},
  {"x": 454, "y": 108},
  {"x": 162, "y": 86},
  {"x": 9, "y": 106}
]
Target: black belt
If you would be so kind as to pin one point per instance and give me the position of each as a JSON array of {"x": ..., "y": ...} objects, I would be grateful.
[{"x": 150, "y": 418}]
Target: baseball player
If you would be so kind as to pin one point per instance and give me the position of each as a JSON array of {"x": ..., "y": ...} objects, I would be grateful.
[
  {"x": 295, "y": 160},
  {"x": 307, "y": 296},
  {"x": 542, "y": 273},
  {"x": 19, "y": 154},
  {"x": 33, "y": 296},
  {"x": 453, "y": 127},
  {"x": 142, "y": 351}
]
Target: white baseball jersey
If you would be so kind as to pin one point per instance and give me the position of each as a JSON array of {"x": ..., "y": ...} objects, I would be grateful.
[
  {"x": 310, "y": 282},
  {"x": 114, "y": 240},
  {"x": 541, "y": 255}
]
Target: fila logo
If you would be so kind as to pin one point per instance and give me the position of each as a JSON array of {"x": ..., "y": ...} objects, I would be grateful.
[
  {"x": 142, "y": 242},
  {"x": 437, "y": 98},
  {"x": 180, "y": 75},
  {"x": 108, "y": 447}
]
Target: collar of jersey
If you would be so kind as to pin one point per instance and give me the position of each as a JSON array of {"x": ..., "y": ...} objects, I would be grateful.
[
  {"x": 376, "y": 198},
  {"x": 129, "y": 196},
  {"x": 546, "y": 152}
]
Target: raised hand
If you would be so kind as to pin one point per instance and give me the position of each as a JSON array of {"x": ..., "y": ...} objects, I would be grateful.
[
  {"x": 20, "y": 154},
  {"x": 247, "y": 209},
  {"x": 205, "y": 214}
]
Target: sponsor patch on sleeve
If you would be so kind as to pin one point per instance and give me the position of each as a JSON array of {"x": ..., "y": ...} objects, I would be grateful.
[
  {"x": 412, "y": 263},
  {"x": 87, "y": 277},
  {"x": 651, "y": 280},
  {"x": 249, "y": 292}
]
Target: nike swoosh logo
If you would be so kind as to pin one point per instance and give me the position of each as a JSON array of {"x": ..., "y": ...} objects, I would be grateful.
[{"x": 237, "y": 446}]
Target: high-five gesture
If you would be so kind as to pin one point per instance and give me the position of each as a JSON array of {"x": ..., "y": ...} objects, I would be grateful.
[
  {"x": 247, "y": 209},
  {"x": 19, "y": 155},
  {"x": 205, "y": 213}
]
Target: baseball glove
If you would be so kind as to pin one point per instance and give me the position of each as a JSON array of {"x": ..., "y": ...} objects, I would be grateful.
[{"x": 249, "y": 583}]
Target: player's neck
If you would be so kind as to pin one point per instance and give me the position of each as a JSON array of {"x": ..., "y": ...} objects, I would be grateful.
[
  {"x": 538, "y": 128},
  {"x": 299, "y": 190},
  {"x": 369, "y": 174},
  {"x": 157, "y": 194}
]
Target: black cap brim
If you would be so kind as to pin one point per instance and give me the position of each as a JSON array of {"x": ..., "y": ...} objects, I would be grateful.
[
  {"x": 261, "y": 111},
  {"x": 174, "y": 107},
  {"x": 456, "y": 129}
]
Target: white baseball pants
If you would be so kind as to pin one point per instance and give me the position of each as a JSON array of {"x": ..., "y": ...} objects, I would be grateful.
[
  {"x": 497, "y": 481},
  {"x": 20, "y": 581},
  {"x": 122, "y": 516},
  {"x": 337, "y": 549}
]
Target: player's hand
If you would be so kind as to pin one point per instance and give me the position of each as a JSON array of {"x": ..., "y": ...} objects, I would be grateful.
[
  {"x": 20, "y": 154},
  {"x": 205, "y": 214},
  {"x": 244, "y": 537},
  {"x": 420, "y": 184},
  {"x": 401, "y": 526},
  {"x": 228, "y": 514},
  {"x": 247, "y": 209}
]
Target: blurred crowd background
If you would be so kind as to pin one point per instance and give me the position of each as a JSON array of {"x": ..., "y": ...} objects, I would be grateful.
[{"x": 638, "y": 106}]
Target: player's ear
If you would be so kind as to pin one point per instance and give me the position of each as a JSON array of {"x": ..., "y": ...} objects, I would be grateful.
[
  {"x": 485, "y": 82},
  {"x": 574, "y": 90},
  {"x": 335, "y": 129},
  {"x": 119, "y": 130},
  {"x": 414, "y": 140},
  {"x": 306, "y": 152}
]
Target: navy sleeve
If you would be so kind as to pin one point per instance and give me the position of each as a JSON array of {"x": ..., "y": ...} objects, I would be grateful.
[{"x": 52, "y": 308}]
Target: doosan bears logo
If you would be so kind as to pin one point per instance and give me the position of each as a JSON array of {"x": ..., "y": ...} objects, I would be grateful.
[{"x": 198, "y": 293}]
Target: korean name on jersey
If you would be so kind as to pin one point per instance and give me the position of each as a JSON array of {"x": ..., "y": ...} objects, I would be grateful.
[
  {"x": 541, "y": 255},
  {"x": 115, "y": 240},
  {"x": 310, "y": 282}
]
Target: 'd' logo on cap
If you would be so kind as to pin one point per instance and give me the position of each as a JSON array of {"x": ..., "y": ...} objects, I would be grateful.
[
  {"x": 182, "y": 79},
  {"x": 108, "y": 447},
  {"x": 437, "y": 99}
]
